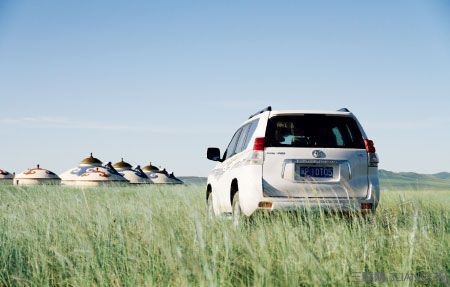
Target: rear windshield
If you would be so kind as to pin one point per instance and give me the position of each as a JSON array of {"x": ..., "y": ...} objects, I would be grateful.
[{"x": 326, "y": 131}]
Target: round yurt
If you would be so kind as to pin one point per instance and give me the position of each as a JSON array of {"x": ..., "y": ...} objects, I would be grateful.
[
  {"x": 6, "y": 178},
  {"x": 157, "y": 175},
  {"x": 134, "y": 176},
  {"x": 92, "y": 172},
  {"x": 175, "y": 179},
  {"x": 36, "y": 176}
]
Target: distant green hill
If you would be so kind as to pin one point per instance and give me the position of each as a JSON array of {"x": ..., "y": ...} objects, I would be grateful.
[
  {"x": 389, "y": 180},
  {"x": 193, "y": 180},
  {"x": 411, "y": 180}
]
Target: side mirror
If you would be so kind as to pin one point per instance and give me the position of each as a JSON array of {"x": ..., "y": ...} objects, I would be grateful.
[{"x": 213, "y": 154}]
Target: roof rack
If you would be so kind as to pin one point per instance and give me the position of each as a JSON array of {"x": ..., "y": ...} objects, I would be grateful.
[
  {"x": 344, "y": 110},
  {"x": 268, "y": 109}
]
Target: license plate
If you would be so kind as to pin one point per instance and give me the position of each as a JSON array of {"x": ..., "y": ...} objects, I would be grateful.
[{"x": 316, "y": 171}]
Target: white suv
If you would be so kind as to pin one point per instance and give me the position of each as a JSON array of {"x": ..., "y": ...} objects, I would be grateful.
[{"x": 292, "y": 160}]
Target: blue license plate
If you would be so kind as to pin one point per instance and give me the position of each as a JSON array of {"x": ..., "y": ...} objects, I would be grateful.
[{"x": 316, "y": 171}]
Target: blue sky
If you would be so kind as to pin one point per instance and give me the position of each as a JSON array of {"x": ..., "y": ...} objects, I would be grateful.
[{"x": 161, "y": 81}]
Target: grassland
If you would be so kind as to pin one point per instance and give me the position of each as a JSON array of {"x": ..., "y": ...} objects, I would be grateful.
[{"x": 159, "y": 236}]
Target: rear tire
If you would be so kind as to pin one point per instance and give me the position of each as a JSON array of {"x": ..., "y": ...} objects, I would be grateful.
[{"x": 236, "y": 210}]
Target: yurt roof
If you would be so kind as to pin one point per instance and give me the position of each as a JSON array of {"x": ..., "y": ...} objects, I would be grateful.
[
  {"x": 37, "y": 173},
  {"x": 135, "y": 175},
  {"x": 176, "y": 179},
  {"x": 5, "y": 175},
  {"x": 91, "y": 161},
  {"x": 164, "y": 171},
  {"x": 122, "y": 165},
  {"x": 93, "y": 173},
  {"x": 139, "y": 172},
  {"x": 150, "y": 167}
]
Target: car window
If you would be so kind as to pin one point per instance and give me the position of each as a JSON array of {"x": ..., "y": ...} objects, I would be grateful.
[
  {"x": 232, "y": 145},
  {"x": 314, "y": 130},
  {"x": 250, "y": 132},
  {"x": 240, "y": 145}
]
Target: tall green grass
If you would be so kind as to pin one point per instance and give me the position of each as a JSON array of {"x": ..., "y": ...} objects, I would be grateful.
[{"x": 155, "y": 236}]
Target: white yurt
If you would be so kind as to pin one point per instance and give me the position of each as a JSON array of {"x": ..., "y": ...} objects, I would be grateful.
[
  {"x": 36, "y": 176},
  {"x": 175, "y": 179},
  {"x": 134, "y": 176},
  {"x": 157, "y": 175},
  {"x": 91, "y": 172},
  {"x": 6, "y": 178}
]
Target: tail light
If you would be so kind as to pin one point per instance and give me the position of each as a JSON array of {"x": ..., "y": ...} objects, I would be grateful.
[
  {"x": 371, "y": 151},
  {"x": 366, "y": 205},
  {"x": 370, "y": 146},
  {"x": 259, "y": 144},
  {"x": 257, "y": 156}
]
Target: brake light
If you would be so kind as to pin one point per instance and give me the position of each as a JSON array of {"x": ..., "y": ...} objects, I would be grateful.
[
  {"x": 370, "y": 147},
  {"x": 256, "y": 157},
  {"x": 259, "y": 144}
]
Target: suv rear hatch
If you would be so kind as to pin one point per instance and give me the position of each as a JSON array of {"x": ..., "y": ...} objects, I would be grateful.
[{"x": 314, "y": 156}]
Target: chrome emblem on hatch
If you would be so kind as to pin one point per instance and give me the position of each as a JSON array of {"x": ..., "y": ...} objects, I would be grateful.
[{"x": 318, "y": 154}]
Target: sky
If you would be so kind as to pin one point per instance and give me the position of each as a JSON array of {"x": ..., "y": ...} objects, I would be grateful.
[{"x": 161, "y": 81}]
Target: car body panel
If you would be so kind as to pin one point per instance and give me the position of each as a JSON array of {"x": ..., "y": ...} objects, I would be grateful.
[{"x": 353, "y": 181}]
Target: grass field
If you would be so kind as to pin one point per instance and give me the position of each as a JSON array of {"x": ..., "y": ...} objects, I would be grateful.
[{"x": 159, "y": 236}]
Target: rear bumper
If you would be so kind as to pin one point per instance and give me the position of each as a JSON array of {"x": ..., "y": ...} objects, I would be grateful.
[
  {"x": 367, "y": 203},
  {"x": 329, "y": 204}
]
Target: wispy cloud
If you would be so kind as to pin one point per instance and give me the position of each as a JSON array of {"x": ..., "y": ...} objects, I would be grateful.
[
  {"x": 58, "y": 122},
  {"x": 64, "y": 123},
  {"x": 34, "y": 120}
]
